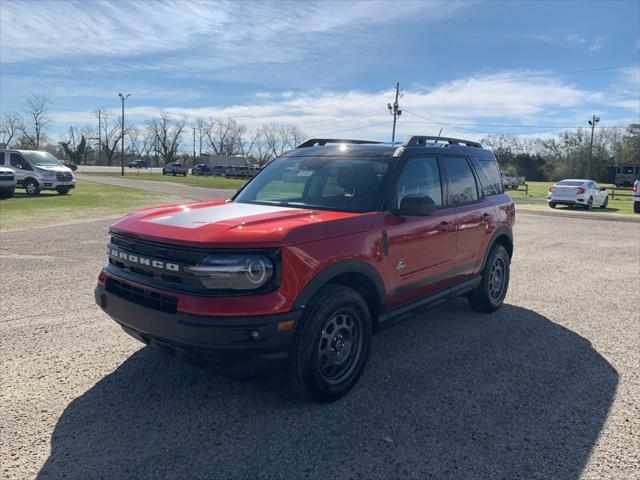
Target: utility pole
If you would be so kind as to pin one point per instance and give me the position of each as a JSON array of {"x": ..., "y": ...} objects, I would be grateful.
[
  {"x": 123, "y": 98},
  {"x": 99, "y": 137},
  {"x": 395, "y": 111},
  {"x": 194, "y": 145},
  {"x": 592, "y": 122}
]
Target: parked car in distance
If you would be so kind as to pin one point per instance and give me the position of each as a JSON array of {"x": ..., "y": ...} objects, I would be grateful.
[
  {"x": 636, "y": 196},
  {"x": 219, "y": 170},
  {"x": 511, "y": 181},
  {"x": 578, "y": 193},
  {"x": 71, "y": 166},
  {"x": 175, "y": 168},
  {"x": 7, "y": 182},
  {"x": 329, "y": 243},
  {"x": 139, "y": 164},
  {"x": 201, "y": 169},
  {"x": 35, "y": 171}
]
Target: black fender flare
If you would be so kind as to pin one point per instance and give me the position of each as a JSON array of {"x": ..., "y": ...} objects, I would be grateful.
[
  {"x": 502, "y": 231},
  {"x": 335, "y": 270}
]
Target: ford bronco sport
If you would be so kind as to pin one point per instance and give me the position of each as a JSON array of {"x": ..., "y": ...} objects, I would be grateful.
[{"x": 328, "y": 244}]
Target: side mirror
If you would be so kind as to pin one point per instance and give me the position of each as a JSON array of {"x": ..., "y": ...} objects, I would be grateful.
[
  {"x": 604, "y": 189},
  {"x": 416, "y": 206}
]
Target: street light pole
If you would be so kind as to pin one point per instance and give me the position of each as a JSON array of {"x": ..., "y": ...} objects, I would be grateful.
[
  {"x": 123, "y": 98},
  {"x": 592, "y": 122}
]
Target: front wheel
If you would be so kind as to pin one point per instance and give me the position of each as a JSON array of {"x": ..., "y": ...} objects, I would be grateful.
[
  {"x": 605, "y": 203},
  {"x": 62, "y": 190},
  {"x": 32, "y": 187},
  {"x": 331, "y": 345},
  {"x": 489, "y": 295}
]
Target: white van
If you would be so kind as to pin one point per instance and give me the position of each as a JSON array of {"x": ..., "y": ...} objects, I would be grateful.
[{"x": 36, "y": 171}]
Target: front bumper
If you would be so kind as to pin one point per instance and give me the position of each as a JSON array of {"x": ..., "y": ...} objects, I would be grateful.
[
  {"x": 239, "y": 347},
  {"x": 49, "y": 184}
]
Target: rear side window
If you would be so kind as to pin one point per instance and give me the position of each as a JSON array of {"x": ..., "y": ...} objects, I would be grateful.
[
  {"x": 489, "y": 176},
  {"x": 420, "y": 177},
  {"x": 462, "y": 184},
  {"x": 18, "y": 162}
]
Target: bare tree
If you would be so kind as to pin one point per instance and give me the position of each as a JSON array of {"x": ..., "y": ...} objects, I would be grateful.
[
  {"x": 111, "y": 137},
  {"x": 278, "y": 139},
  {"x": 36, "y": 110},
  {"x": 167, "y": 134},
  {"x": 10, "y": 125},
  {"x": 224, "y": 136}
]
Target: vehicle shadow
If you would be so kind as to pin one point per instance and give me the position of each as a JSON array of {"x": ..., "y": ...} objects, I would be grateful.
[{"x": 453, "y": 394}]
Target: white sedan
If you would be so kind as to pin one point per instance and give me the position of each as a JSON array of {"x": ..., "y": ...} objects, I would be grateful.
[{"x": 578, "y": 192}]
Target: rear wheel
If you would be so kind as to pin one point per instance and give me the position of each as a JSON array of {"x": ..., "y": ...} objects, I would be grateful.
[
  {"x": 331, "y": 345},
  {"x": 636, "y": 207},
  {"x": 605, "y": 203},
  {"x": 7, "y": 192},
  {"x": 32, "y": 187},
  {"x": 589, "y": 204},
  {"x": 489, "y": 295}
]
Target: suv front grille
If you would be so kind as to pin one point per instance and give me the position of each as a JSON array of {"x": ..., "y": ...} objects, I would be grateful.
[
  {"x": 141, "y": 296},
  {"x": 64, "y": 177}
]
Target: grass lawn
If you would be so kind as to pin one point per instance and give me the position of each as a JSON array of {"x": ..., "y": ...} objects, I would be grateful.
[
  {"x": 537, "y": 195},
  {"x": 211, "y": 182},
  {"x": 87, "y": 201}
]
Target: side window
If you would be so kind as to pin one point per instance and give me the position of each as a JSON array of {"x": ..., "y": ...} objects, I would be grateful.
[
  {"x": 18, "y": 162},
  {"x": 420, "y": 177},
  {"x": 462, "y": 184},
  {"x": 489, "y": 176}
]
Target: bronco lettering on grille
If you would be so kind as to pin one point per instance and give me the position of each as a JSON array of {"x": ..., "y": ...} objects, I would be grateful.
[{"x": 118, "y": 254}]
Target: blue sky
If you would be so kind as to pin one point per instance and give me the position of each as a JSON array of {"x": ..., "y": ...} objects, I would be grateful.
[{"x": 471, "y": 68}]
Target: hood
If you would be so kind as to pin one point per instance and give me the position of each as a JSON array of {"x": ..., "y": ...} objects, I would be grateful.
[
  {"x": 229, "y": 224},
  {"x": 54, "y": 168}
]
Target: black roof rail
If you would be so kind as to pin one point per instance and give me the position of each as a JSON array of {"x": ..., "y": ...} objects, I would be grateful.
[
  {"x": 421, "y": 141},
  {"x": 320, "y": 142}
]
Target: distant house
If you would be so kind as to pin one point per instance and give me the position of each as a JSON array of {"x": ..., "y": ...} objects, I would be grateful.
[{"x": 227, "y": 160}]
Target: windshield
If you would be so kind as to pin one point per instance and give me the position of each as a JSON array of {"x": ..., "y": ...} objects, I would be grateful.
[
  {"x": 42, "y": 158},
  {"x": 343, "y": 183}
]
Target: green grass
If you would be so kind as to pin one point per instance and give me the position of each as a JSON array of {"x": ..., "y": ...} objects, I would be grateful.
[
  {"x": 88, "y": 200},
  {"x": 537, "y": 195},
  {"x": 198, "y": 181}
]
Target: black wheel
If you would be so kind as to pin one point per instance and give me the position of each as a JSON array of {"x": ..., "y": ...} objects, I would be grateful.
[
  {"x": 552, "y": 205},
  {"x": 489, "y": 295},
  {"x": 7, "y": 192},
  {"x": 163, "y": 172},
  {"x": 184, "y": 174},
  {"x": 589, "y": 204},
  {"x": 331, "y": 345},
  {"x": 605, "y": 203},
  {"x": 32, "y": 187},
  {"x": 636, "y": 207},
  {"x": 62, "y": 190}
]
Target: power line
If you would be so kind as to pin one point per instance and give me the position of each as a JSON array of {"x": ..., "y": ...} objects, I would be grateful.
[
  {"x": 437, "y": 122},
  {"x": 350, "y": 129}
]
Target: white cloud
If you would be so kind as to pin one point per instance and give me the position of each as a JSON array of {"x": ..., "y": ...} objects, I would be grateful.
[
  {"x": 464, "y": 107},
  {"x": 218, "y": 33},
  {"x": 592, "y": 44}
]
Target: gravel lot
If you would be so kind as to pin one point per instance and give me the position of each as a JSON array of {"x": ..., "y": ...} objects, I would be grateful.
[{"x": 548, "y": 387}]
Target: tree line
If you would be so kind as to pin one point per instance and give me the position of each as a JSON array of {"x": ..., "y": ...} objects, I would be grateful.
[
  {"x": 161, "y": 139},
  {"x": 166, "y": 138}
]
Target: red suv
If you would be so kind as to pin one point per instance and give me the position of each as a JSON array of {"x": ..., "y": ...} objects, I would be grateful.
[{"x": 329, "y": 243}]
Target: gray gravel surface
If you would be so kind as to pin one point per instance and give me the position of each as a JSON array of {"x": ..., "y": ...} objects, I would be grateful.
[{"x": 548, "y": 387}]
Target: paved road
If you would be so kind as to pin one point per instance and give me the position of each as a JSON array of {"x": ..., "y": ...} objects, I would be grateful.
[
  {"x": 171, "y": 188},
  {"x": 548, "y": 387}
]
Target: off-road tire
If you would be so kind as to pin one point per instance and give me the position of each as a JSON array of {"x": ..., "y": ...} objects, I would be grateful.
[
  {"x": 488, "y": 297},
  {"x": 320, "y": 341}
]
